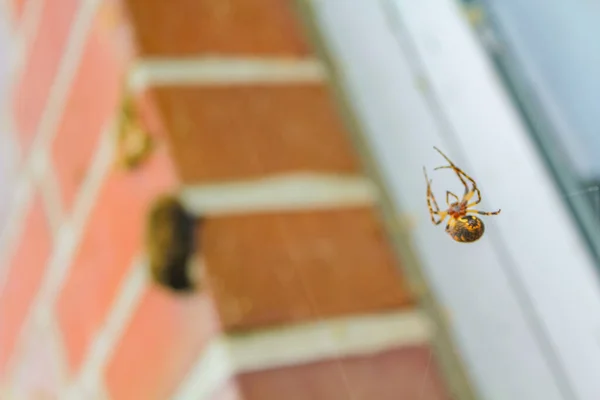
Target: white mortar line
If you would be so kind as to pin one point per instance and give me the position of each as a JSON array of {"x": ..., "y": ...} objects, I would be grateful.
[
  {"x": 151, "y": 72},
  {"x": 89, "y": 381},
  {"x": 30, "y": 18},
  {"x": 56, "y": 353},
  {"x": 26, "y": 33},
  {"x": 299, "y": 191},
  {"x": 8, "y": 13},
  {"x": 24, "y": 190},
  {"x": 10, "y": 236},
  {"x": 72, "y": 230},
  {"x": 65, "y": 75},
  {"x": 69, "y": 235},
  {"x": 102, "y": 393},
  {"x": 37, "y": 166},
  {"x": 37, "y": 162},
  {"x": 230, "y": 355},
  {"x": 49, "y": 189},
  {"x": 20, "y": 194},
  {"x": 54, "y": 329},
  {"x": 7, "y": 126}
]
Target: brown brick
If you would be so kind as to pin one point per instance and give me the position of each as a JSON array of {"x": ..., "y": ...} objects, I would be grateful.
[
  {"x": 281, "y": 268},
  {"x": 163, "y": 340},
  {"x": 230, "y": 27},
  {"x": 404, "y": 373},
  {"x": 226, "y": 133}
]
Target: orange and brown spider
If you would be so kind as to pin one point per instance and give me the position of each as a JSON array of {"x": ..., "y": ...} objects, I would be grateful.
[{"x": 461, "y": 227}]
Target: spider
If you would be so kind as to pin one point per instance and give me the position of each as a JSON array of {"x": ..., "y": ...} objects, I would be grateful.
[{"x": 461, "y": 227}]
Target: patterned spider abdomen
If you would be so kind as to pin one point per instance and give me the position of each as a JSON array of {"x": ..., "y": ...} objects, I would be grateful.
[{"x": 465, "y": 229}]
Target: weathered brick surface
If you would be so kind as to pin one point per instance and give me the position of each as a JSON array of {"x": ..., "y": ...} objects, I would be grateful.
[
  {"x": 241, "y": 132},
  {"x": 271, "y": 269},
  {"x": 228, "y": 27},
  {"x": 404, "y": 373}
]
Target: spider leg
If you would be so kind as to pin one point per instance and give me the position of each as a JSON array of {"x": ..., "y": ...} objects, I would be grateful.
[
  {"x": 455, "y": 168},
  {"x": 483, "y": 212},
  {"x": 476, "y": 201},
  {"x": 430, "y": 197},
  {"x": 448, "y": 194},
  {"x": 468, "y": 193}
]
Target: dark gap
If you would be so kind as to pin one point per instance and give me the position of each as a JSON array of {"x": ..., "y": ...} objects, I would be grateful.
[{"x": 171, "y": 243}]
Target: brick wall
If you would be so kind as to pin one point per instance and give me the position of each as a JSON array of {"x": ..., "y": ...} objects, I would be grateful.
[{"x": 300, "y": 295}]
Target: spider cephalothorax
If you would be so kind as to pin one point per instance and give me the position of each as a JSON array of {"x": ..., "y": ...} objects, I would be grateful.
[{"x": 461, "y": 226}]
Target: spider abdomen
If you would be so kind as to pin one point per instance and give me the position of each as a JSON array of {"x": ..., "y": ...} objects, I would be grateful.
[
  {"x": 461, "y": 227},
  {"x": 465, "y": 229}
]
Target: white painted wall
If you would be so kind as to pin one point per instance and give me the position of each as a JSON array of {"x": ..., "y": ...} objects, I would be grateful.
[{"x": 524, "y": 300}]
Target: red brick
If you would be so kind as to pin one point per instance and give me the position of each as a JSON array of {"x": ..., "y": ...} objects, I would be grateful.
[
  {"x": 237, "y": 132},
  {"x": 230, "y": 27},
  {"x": 26, "y": 270},
  {"x": 288, "y": 267},
  {"x": 165, "y": 337},
  {"x": 404, "y": 373},
  {"x": 112, "y": 239},
  {"x": 33, "y": 88},
  {"x": 92, "y": 103}
]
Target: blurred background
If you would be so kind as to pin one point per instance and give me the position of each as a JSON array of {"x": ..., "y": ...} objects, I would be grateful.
[{"x": 225, "y": 199}]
